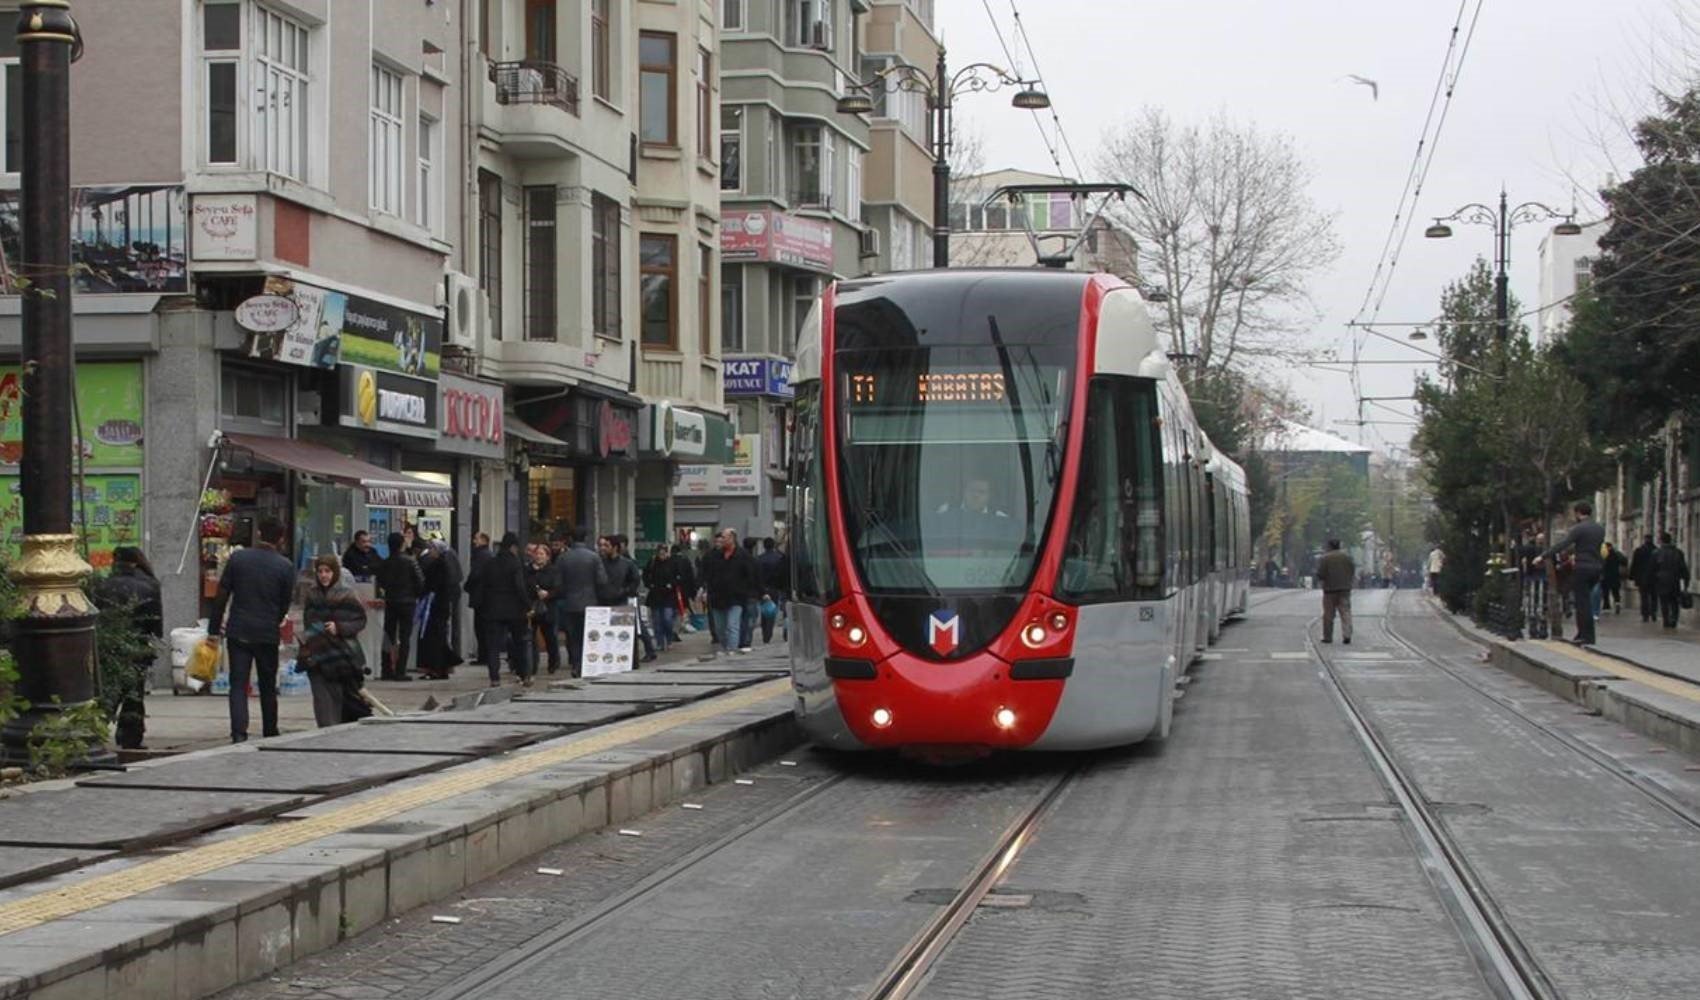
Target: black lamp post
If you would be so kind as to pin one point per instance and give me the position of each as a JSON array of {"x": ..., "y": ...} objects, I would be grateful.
[
  {"x": 54, "y": 640},
  {"x": 1502, "y": 222},
  {"x": 941, "y": 89}
]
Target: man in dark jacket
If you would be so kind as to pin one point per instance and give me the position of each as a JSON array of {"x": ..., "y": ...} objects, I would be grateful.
[
  {"x": 400, "y": 583},
  {"x": 1611, "y": 579},
  {"x": 132, "y": 585},
  {"x": 1586, "y": 537},
  {"x": 1335, "y": 572},
  {"x": 663, "y": 598},
  {"x": 1670, "y": 578},
  {"x": 507, "y": 605},
  {"x": 362, "y": 560},
  {"x": 775, "y": 584},
  {"x": 480, "y": 557},
  {"x": 256, "y": 587},
  {"x": 1641, "y": 574},
  {"x": 584, "y": 579},
  {"x": 733, "y": 580}
]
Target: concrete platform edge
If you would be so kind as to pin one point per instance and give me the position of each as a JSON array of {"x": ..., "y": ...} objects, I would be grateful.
[{"x": 195, "y": 938}]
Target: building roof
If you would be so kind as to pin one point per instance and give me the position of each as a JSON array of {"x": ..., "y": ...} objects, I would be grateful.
[{"x": 1291, "y": 436}]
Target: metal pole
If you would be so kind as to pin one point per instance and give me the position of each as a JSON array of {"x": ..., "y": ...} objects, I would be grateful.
[
  {"x": 1502, "y": 283},
  {"x": 54, "y": 641},
  {"x": 941, "y": 165}
]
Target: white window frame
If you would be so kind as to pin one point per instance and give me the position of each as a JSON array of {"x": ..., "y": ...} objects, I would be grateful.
[
  {"x": 853, "y": 184},
  {"x": 732, "y": 130},
  {"x": 428, "y": 199},
  {"x": 732, "y": 15},
  {"x": 902, "y": 242},
  {"x": 222, "y": 57},
  {"x": 279, "y": 144},
  {"x": 386, "y": 142},
  {"x": 8, "y": 170},
  {"x": 809, "y": 24},
  {"x": 828, "y": 166}
]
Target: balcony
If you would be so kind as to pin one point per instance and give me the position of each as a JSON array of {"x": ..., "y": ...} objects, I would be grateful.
[
  {"x": 811, "y": 196},
  {"x": 535, "y": 82}
]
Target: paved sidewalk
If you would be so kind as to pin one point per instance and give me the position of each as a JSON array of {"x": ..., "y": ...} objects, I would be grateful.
[
  {"x": 1649, "y": 644},
  {"x": 179, "y": 723}
]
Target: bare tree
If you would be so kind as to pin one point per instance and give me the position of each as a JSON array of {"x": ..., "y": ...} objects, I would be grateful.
[{"x": 1226, "y": 229}]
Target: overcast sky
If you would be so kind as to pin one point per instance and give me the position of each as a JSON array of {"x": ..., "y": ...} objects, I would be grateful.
[{"x": 1541, "y": 83}]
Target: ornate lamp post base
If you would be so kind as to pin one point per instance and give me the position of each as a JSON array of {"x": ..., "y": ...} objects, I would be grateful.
[{"x": 53, "y": 641}]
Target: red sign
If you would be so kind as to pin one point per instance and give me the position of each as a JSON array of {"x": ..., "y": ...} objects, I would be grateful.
[
  {"x": 619, "y": 431},
  {"x": 776, "y": 237},
  {"x": 472, "y": 422}
]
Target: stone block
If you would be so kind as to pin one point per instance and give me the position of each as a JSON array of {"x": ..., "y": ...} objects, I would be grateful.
[
  {"x": 638, "y": 786},
  {"x": 153, "y": 973},
  {"x": 206, "y": 962},
  {"x": 484, "y": 853},
  {"x": 318, "y": 918},
  {"x": 595, "y": 808},
  {"x": 717, "y": 763},
  {"x": 264, "y": 941},
  {"x": 365, "y": 900},
  {"x": 620, "y": 799},
  {"x": 87, "y": 985},
  {"x": 425, "y": 875},
  {"x": 660, "y": 784},
  {"x": 690, "y": 772},
  {"x": 740, "y": 753}
]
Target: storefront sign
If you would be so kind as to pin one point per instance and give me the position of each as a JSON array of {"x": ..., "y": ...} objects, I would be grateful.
[
  {"x": 471, "y": 417},
  {"x": 777, "y": 238},
  {"x": 226, "y": 227},
  {"x": 114, "y": 506},
  {"x": 669, "y": 432},
  {"x": 410, "y": 497},
  {"x": 743, "y": 477},
  {"x": 688, "y": 434},
  {"x": 334, "y": 328},
  {"x": 382, "y": 401},
  {"x": 109, "y": 407},
  {"x": 267, "y": 314},
  {"x": 757, "y": 377},
  {"x": 617, "y": 437},
  {"x": 124, "y": 239}
]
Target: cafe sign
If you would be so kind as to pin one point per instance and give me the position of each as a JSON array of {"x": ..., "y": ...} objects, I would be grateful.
[{"x": 267, "y": 314}]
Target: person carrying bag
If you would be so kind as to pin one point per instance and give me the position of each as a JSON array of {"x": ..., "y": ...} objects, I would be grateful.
[{"x": 332, "y": 619}]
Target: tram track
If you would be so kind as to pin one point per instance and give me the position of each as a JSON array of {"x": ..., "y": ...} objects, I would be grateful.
[{"x": 1507, "y": 964}]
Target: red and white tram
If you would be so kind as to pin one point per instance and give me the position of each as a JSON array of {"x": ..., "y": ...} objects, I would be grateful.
[{"x": 1008, "y": 531}]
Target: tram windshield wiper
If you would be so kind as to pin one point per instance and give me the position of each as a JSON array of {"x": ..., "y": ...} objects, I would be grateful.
[{"x": 873, "y": 518}]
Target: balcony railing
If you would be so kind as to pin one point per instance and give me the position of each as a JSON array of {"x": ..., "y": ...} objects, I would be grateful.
[
  {"x": 811, "y": 196},
  {"x": 533, "y": 82}
]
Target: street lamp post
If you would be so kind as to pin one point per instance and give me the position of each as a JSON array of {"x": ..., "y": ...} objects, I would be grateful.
[
  {"x": 1502, "y": 222},
  {"x": 941, "y": 89},
  {"x": 54, "y": 640}
]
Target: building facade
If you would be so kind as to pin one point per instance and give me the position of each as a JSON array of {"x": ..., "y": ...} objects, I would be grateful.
[
  {"x": 897, "y": 181},
  {"x": 1567, "y": 267},
  {"x": 990, "y": 231},
  {"x": 791, "y": 193}
]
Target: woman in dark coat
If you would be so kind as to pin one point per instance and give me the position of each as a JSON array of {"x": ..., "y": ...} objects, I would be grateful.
[
  {"x": 506, "y": 604},
  {"x": 436, "y": 645},
  {"x": 133, "y": 585},
  {"x": 332, "y": 619}
]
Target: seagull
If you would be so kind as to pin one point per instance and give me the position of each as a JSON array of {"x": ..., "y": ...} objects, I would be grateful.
[{"x": 1374, "y": 88}]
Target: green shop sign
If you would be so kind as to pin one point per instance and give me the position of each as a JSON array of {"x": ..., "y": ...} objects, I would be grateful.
[{"x": 109, "y": 405}]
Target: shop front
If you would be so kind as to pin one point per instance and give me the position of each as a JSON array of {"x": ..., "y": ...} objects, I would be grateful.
[
  {"x": 472, "y": 434},
  {"x": 761, "y": 389},
  {"x": 707, "y": 498},
  {"x": 585, "y": 474},
  {"x": 671, "y": 438}
]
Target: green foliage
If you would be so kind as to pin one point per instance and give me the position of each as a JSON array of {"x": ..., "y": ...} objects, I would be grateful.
[
  {"x": 118, "y": 645},
  {"x": 64, "y": 738}
]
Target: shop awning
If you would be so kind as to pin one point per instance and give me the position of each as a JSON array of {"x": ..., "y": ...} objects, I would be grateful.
[
  {"x": 525, "y": 432},
  {"x": 384, "y": 488}
]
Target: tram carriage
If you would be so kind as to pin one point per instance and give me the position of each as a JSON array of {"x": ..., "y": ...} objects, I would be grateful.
[{"x": 1008, "y": 530}]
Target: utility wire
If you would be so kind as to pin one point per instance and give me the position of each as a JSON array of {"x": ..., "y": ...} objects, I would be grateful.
[
  {"x": 1039, "y": 75},
  {"x": 1015, "y": 67}
]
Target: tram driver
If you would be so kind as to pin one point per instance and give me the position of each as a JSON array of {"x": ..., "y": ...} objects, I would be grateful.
[{"x": 976, "y": 500}]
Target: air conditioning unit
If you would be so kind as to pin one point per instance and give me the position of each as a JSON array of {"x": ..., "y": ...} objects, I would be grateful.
[
  {"x": 869, "y": 244},
  {"x": 465, "y": 305},
  {"x": 817, "y": 35}
]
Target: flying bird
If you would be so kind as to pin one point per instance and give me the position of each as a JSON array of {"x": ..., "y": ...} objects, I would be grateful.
[{"x": 1374, "y": 88}]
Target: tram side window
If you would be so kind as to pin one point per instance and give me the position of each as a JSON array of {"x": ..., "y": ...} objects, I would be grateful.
[
  {"x": 814, "y": 574},
  {"x": 1115, "y": 531}
]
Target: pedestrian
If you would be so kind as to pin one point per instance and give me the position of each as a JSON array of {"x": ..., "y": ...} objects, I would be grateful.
[
  {"x": 732, "y": 580},
  {"x": 775, "y": 566},
  {"x": 1585, "y": 540},
  {"x": 473, "y": 586},
  {"x": 584, "y": 579},
  {"x": 1641, "y": 574},
  {"x": 361, "y": 559},
  {"x": 1611, "y": 579},
  {"x": 1436, "y": 563},
  {"x": 437, "y": 656},
  {"x": 401, "y": 583},
  {"x": 663, "y": 596},
  {"x": 332, "y": 617},
  {"x": 255, "y": 588},
  {"x": 1670, "y": 578},
  {"x": 132, "y": 585},
  {"x": 543, "y": 583},
  {"x": 507, "y": 613},
  {"x": 1334, "y": 574},
  {"x": 752, "y": 606}
]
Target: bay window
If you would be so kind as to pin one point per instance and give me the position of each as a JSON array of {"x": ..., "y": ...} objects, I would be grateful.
[
  {"x": 605, "y": 266},
  {"x": 656, "y": 92},
  {"x": 811, "y": 165},
  {"x": 385, "y": 154},
  {"x": 658, "y": 262},
  {"x": 255, "y": 79}
]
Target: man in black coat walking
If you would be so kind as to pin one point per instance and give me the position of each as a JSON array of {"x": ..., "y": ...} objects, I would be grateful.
[
  {"x": 400, "y": 583},
  {"x": 1670, "y": 578},
  {"x": 775, "y": 584},
  {"x": 1641, "y": 574},
  {"x": 132, "y": 585},
  {"x": 733, "y": 580},
  {"x": 1586, "y": 536},
  {"x": 506, "y": 602}
]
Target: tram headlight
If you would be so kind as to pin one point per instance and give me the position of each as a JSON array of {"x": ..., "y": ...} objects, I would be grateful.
[
  {"x": 1034, "y": 635},
  {"x": 1059, "y": 622},
  {"x": 855, "y": 635},
  {"x": 881, "y": 718},
  {"x": 837, "y": 621},
  {"x": 1005, "y": 718}
]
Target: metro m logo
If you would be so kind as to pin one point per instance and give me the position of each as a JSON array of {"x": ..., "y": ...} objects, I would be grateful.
[{"x": 944, "y": 632}]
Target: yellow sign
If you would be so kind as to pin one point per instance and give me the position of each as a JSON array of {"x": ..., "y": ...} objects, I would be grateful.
[{"x": 366, "y": 398}]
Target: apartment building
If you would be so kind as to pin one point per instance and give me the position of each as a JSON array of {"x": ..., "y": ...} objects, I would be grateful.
[
  {"x": 897, "y": 197},
  {"x": 791, "y": 193},
  {"x": 990, "y": 231}
]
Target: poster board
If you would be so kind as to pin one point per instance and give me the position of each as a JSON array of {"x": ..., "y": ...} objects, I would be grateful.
[{"x": 610, "y": 639}]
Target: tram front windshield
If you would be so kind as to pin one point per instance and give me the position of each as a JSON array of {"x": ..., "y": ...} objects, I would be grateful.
[{"x": 951, "y": 458}]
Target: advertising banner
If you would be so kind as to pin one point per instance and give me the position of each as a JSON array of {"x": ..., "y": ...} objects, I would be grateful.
[
  {"x": 757, "y": 377},
  {"x": 113, "y": 504},
  {"x": 381, "y": 401},
  {"x": 763, "y": 235},
  {"x": 227, "y": 227},
  {"x": 124, "y": 239},
  {"x": 334, "y": 328},
  {"x": 472, "y": 417},
  {"x": 743, "y": 477},
  {"x": 610, "y": 638},
  {"x": 109, "y": 406}
]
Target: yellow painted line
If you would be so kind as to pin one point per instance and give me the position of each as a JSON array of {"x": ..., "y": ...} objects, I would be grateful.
[
  {"x": 102, "y": 890},
  {"x": 1659, "y": 682}
]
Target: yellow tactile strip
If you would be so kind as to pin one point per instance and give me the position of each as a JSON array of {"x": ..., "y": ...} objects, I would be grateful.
[
  {"x": 101, "y": 890},
  {"x": 1658, "y": 682}
]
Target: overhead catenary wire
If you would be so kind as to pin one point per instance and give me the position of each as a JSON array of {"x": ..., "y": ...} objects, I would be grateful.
[
  {"x": 1039, "y": 76},
  {"x": 1014, "y": 65}
]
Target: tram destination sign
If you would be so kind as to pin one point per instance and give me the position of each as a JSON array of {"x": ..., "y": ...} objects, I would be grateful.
[{"x": 936, "y": 386}]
